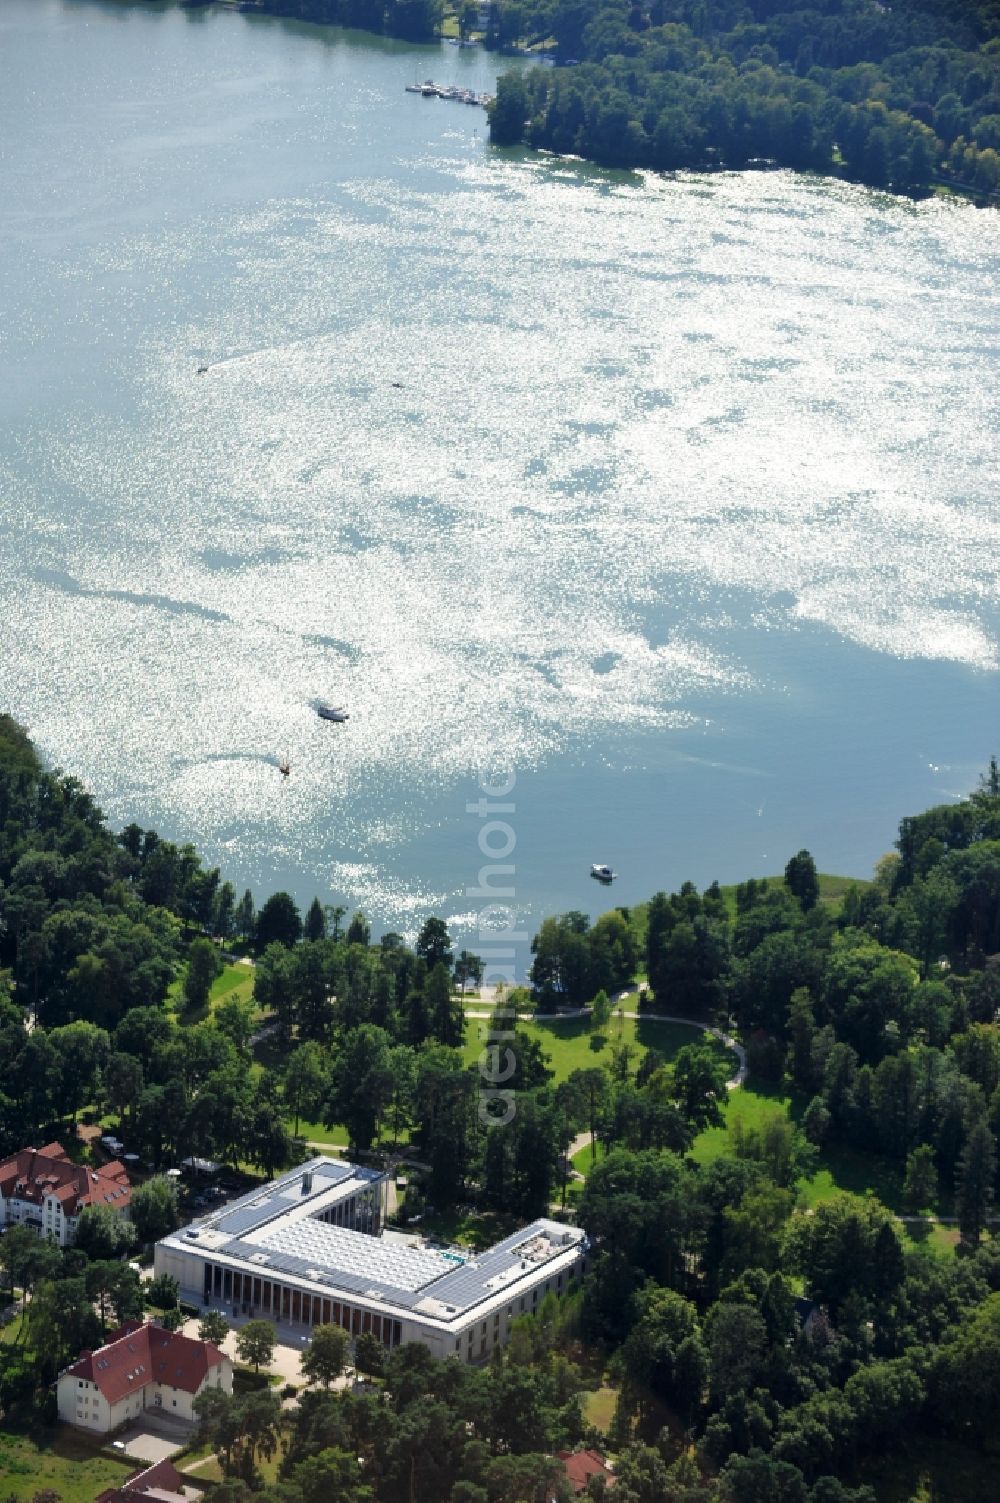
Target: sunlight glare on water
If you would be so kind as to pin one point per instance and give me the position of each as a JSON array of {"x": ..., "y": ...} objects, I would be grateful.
[{"x": 507, "y": 455}]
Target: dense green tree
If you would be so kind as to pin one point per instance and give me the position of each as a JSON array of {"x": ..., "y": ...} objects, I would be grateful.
[
  {"x": 203, "y": 965},
  {"x": 255, "y": 1343},
  {"x": 802, "y": 881},
  {"x": 444, "y": 1010},
  {"x": 845, "y": 1246},
  {"x": 920, "y": 1187},
  {"x": 434, "y": 944},
  {"x": 61, "y": 1322},
  {"x": 245, "y": 917},
  {"x": 314, "y": 927},
  {"x": 103, "y": 1234},
  {"x": 213, "y": 1327},
  {"x": 359, "y": 931},
  {"x": 361, "y": 1084},
  {"x": 976, "y": 1184},
  {"x": 468, "y": 970},
  {"x": 278, "y": 922},
  {"x": 306, "y": 1081},
  {"x": 154, "y": 1208},
  {"x": 325, "y": 1358}
]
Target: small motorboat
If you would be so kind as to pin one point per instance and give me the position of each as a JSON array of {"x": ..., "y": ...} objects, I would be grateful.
[
  {"x": 332, "y": 712},
  {"x": 203, "y": 370},
  {"x": 284, "y": 766},
  {"x": 602, "y": 873}
]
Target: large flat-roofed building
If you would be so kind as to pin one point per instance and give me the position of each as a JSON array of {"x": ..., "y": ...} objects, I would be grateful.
[{"x": 309, "y": 1249}]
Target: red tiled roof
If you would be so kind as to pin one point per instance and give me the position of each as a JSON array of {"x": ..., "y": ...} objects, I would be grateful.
[
  {"x": 160, "y": 1480},
  {"x": 34, "y": 1173},
  {"x": 139, "y": 1354},
  {"x": 582, "y": 1465}
]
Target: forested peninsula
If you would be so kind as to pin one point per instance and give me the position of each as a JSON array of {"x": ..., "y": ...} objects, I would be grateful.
[
  {"x": 891, "y": 95},
  {"x": 903, "y": 96},
  {"x": 793, "y": 1285}
]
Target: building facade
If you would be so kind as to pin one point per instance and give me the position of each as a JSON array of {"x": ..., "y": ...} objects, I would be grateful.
[
  {"x": 140, "y": 1367},
  {"x": 43, "y": 1189},
  {"x": 309, "y": 1249}
]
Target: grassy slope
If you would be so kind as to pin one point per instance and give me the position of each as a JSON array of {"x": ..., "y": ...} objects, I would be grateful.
[
  {"x": 831, "y": 894},
  {"x": 61, "y": 1459},
  {"x": 839, "y": 1168}
]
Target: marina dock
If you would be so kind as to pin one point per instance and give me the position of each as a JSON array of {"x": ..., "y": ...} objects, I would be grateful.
[{"x": 431, "y": 90}]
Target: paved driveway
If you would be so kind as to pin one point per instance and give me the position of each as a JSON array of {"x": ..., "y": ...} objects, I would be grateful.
[{"x": 153, "y": 1441}]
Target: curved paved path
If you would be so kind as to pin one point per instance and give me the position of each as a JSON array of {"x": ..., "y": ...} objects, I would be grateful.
[{"x": 582, "y": 1139}]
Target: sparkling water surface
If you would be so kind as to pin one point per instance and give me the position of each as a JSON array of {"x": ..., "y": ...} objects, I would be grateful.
[{"x": 678, "y": 496}]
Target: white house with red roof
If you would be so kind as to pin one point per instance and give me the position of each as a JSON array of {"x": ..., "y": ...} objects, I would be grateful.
[
  {"x": 140, "y": 1367},
  {"x": 43, "y": 1189}
]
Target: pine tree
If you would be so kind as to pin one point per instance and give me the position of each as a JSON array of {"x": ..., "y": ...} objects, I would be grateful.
[
  {"x": 975, "y": 1184},
  {"x": 315, "y": 923}
]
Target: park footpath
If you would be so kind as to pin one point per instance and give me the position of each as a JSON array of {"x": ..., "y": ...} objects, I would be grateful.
[{"x": 582, "y": 1140}]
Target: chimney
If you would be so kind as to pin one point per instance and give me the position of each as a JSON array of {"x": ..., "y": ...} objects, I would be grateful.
[{"x": 307, "y": 1182}]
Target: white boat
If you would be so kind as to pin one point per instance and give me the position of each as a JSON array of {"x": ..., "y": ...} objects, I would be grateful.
[
  {"x": 602, "y": 873},
  {"x": 332, "y": 712}
]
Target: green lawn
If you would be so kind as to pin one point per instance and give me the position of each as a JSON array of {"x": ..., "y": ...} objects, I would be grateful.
[
  {"x": 583, "y": 1161},
  {"x": 232, "y": 981},
  {"x": 569, "y": 1042},
  {"x": 831, "y": 889},
  {"x": 839, "y": 1168},
  {"x": 60, "y": 1459},
  {"x": 11, "y": 1331},
  {"x": 749, "y": 1104},
  {"x": 599, "y": 1407}
]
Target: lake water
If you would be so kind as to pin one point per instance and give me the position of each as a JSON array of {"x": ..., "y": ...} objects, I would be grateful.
[{"x": 679, "y": 497}]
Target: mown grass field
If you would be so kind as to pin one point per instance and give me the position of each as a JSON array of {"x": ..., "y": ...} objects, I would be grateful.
[
  {"x": 570, "y": 1042},
  {"x": 59, "y": 1459}
]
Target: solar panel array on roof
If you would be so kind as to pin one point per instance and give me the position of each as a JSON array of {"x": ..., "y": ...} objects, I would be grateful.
[
  {"x": 261, "y": 1206},
  {"x": 401, "y": 1274},
  {"x": 333, "y": 1248}
]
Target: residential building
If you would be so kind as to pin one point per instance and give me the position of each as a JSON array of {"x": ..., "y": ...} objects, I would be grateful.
[
  {"x": 42, "y": 1188},
  {"x": 580, "y": 1466},
  {"x": 159, "y": 1483},
  {"x": 310, "y": 1249},
  {"x": 140, "y": 1367}
]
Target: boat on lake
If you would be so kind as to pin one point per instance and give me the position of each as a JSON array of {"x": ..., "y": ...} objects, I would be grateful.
[
  {"x": 332, "y": 712},
  {"x": 602, "y": 873}
]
